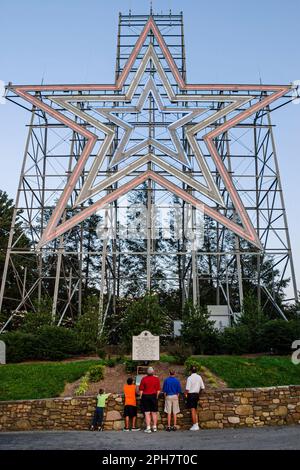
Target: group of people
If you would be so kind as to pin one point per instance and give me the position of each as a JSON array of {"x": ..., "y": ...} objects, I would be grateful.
[{"x": 149, "y": 391}]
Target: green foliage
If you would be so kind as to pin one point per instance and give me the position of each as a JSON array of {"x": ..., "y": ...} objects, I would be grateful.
[
  {"x": 180, "y": 351},
  {"x": 254, "y": 319},
  {"x": 34, "y": 321},
  {"x": 86, "y": 326},
  {"x": 83, "y": 385},
  {"x": 33, "y": 381},
  {"x": 236, "y": 340},
  {"x": 168, "y": 358},
  {"x": 101, "y": 353},
  {"x": 48, "y": 343},
  {"x": 252, "y": 315},
  {"x": 263, "y": 371},
  {"x": 56, "y": 343},
  {"x": 189, "y": 363},
  {"x": 96, "y": 373},
  {"x": 144, "y": 314},
  {"x": 278, "y": 335},
  {"x": 20, "y": 346},
  {"x": 198, "y": 329},
  {"x": 111, "y": 362},
  {"x": 20, "y": 263},
  {"x": 130, "y": 366}
]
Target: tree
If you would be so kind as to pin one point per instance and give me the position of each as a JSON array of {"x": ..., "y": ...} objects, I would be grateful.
[
  {"x": 13, "y": 283},
  {"x": 145, "y": 314},
  {"x": 254, "y": 319},
  {"x": 198, "y": 329}
]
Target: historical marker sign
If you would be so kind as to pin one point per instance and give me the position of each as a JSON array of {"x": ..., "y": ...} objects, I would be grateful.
[{"x": 145, "y": 347}]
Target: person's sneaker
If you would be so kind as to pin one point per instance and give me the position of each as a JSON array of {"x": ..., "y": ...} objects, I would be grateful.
[
  {"x": 126, "y": 429},
  {"x": 100, "y": 428},
  {"x": 92, "y": 428},
  {"x": 135, "y": 429},
  {"x": 195, "y": 427},
  {"x": 168, "y": 428},
  {"x": 154, "y": 429},
  {"x": 147, "y": 430},
  {"x": 174, "y": 428}
]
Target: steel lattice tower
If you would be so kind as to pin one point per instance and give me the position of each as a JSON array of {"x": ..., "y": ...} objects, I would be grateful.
[{"x": 67, "y": 265}]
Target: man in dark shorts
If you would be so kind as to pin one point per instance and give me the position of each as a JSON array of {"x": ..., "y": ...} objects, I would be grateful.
[
  {"x": 149, "y": 392},
  {"x": 130, "y": 409},
  {"x": 194, "y": 385}
]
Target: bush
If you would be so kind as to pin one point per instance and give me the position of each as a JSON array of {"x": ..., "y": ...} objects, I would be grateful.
[
  {"x": 56, "y": 343},
  {"x": 189, "y": 363},
  {"x": 96, "y": 373},
  {"x": 144, "y": 314},
  {"x": 49, "y": 343},
  {"x": 236, "y": 340},
  {"x": 20, "y": 346},
  {"x": 83, "y": 386},
  {"x": 198, "y": 330},
  {"x": 130, "y": 366},
  {"x": 111, "y": 362},
  {"x": 86, "y": 326},
  {"x": 180, "y": 351},
  {"x": 101, "y": 353},
  {"x": 36, "y": 320},
  {"x": 278, "y": 335}
]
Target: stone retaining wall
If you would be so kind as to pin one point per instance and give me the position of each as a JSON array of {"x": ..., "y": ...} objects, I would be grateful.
[{"x": 217, "y": 409}]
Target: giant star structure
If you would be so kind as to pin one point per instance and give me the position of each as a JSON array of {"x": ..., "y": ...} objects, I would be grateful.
[{"x": 55, "y": 228}]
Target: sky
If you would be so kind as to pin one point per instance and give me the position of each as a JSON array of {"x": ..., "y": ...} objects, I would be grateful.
[{"x": 232, "y": 41}]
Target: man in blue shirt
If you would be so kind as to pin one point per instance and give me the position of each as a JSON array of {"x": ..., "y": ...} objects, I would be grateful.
[{"x": 172, "y": 389}]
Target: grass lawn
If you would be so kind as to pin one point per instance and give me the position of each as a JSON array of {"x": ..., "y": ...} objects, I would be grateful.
[
  {"x": 263, "y": 371},
  {"x": 41, "y": 380}
]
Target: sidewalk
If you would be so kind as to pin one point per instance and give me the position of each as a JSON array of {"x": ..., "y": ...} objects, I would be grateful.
[{"x": 283, "y": 437}]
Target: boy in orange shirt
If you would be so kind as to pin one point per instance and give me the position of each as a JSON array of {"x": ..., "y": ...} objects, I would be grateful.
[{"x": 130, "y": 408}]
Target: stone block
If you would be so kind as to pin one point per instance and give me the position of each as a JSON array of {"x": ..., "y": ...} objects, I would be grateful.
[
  {"x": 244, "y": 410},
  {"x": 234, "y": 419},
  {"x": 113, "y": 416},
  {"x": 249, "y": 420},
  {"x": 118, "y": 425},
  {"x": 206, "y": 415},
  {"x": 210, "y": 424},
  {"x": 281, "y": 411}
]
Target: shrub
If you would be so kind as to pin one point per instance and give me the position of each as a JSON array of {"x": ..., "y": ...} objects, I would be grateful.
[
  {"x": 96, "y": 373},
  {"x": 180, "y": 351},
  {"x": 278, "y": 335},
  {"x": 199, "y": 330},
  {"x": 111, "y": 362},
  {"x": 48, "y": 343},
  {"x": 56, "y": 343},
  {"x": 144, "y": 314},
  {"x": 36, "y": 320},
  {"x": 83, "y": 386},
  {"x": 86, "y": 326},
  {"x": 130, "y": 366},
  {"x": 101, "y": 353},
  {"x": 20, "y": 346},
  {"x": 189, "y": 363},
  {"x": 236, "y": 340}
]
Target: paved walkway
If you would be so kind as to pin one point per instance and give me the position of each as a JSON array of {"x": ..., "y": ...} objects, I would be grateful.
[{"x": 283, "y": 437}]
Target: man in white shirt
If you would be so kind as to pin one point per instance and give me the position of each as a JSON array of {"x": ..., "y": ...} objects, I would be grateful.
[{"x": 194, "y": 385}]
